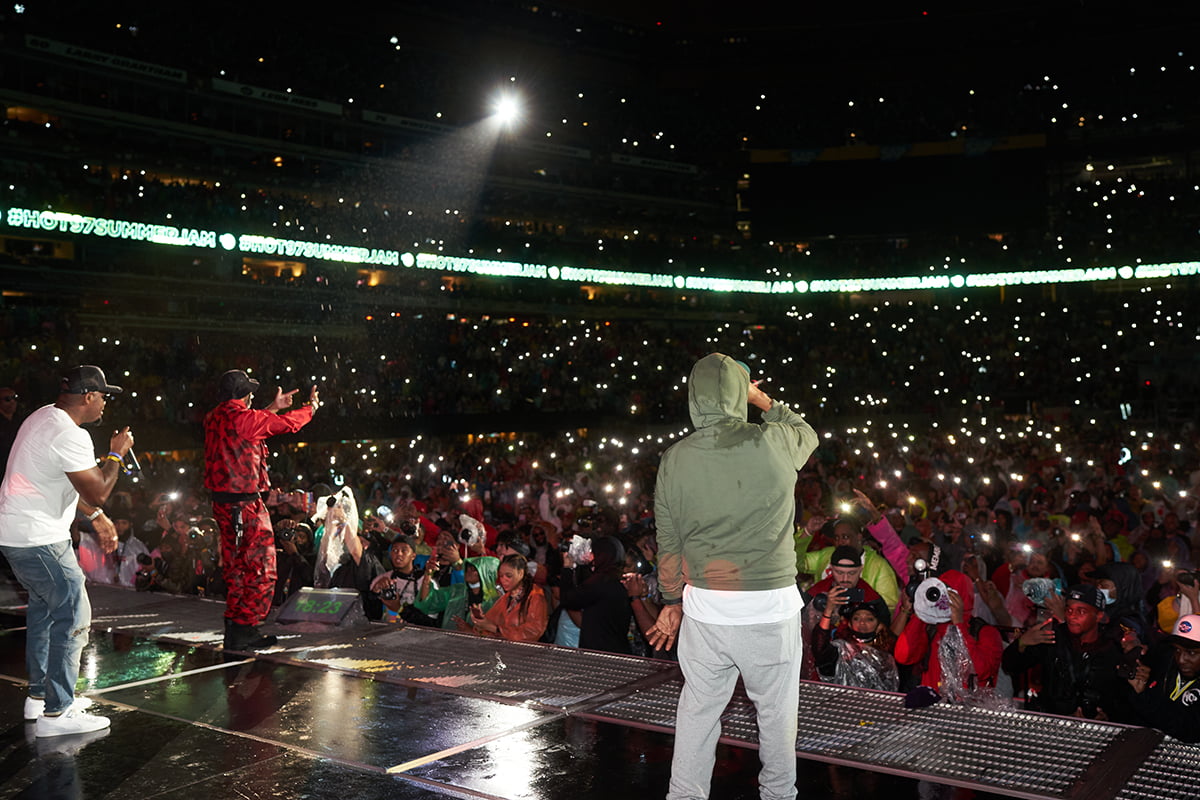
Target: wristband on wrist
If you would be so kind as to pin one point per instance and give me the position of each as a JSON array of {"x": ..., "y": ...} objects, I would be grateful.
[
  {"x": 113, "y": 457},
  {"x": 92, "y": 517}
]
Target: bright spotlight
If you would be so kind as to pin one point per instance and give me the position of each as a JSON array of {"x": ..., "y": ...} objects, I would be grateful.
[{"x": 507, "y": 109}]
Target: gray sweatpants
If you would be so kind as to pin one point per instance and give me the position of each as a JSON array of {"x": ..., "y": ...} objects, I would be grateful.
[{"x": 712, "y": 656}]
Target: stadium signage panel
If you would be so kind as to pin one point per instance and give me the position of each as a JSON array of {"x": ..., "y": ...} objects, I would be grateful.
[
  {"x": 279, "y": 98},
  {"x": 1042, "y": 276},
  {"x": 615, "y": 277},
  {"x": 1174, "y": 270},
  {"x": 109, "y": 228},
  {"x": 324, "y": 251},
  {"x": 101, "y": 59},
  {"x": 478, "y": 266},
  {"x": 900, "y": 283}
]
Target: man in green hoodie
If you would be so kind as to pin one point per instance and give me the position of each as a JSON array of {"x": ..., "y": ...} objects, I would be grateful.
[
  {"x": 725, "y": 510},
  {"x": 454, "y": 602}
]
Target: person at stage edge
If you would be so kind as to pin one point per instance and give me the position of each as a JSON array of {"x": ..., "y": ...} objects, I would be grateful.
[
  {"x": 235, "y": 472},
  {"x": 1166, "y": 692},
  {"x": 725, "y": 511},
  {"x": 52, "y": 474}
]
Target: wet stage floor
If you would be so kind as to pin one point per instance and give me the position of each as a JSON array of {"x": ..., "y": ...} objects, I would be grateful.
[{"x": 189, "y": 721}]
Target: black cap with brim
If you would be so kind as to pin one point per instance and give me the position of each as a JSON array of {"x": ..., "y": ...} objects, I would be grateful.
[
  {"x": 846, "y": 556},
  {"x": 1086, "y": 594},
  {"x": 235, "y": 384},
  {"x": 1189, "y": 644},
  {"x": 87, "y": 378}
]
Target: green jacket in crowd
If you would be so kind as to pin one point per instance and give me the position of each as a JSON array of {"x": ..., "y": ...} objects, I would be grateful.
[{"x": 451, "y": 601}]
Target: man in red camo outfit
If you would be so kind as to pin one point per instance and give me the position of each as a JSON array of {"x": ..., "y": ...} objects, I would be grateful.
[{"x": 235, "y": 472}]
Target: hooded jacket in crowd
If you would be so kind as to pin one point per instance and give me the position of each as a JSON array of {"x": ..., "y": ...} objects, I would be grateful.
[
  {"x": 919, "y": 642},
  {"x": 601, "y": 597},
  {"x": 453, "y": 601},
  {"x": 1128, "y": 608},
  {"x": 725, "y": 502}
]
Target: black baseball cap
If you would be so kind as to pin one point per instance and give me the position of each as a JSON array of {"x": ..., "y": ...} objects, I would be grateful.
[
  {"x": 1087, "y": 594},
  {"x": 87, "y": 378},
  {"x": 234, "y": 384},
  {"x": 846, "y": 556}
]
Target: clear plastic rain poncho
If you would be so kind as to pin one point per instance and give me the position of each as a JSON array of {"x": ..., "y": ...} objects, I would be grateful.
[
  {"x": 865, "y": 666},
  {"x": 959, "y": 683},
  {"x": 339, "y": 520},
  {"x": 958, "y": 668}
]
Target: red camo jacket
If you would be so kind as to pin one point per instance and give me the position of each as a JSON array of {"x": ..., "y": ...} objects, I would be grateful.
[{"x": 235, "y": 444}]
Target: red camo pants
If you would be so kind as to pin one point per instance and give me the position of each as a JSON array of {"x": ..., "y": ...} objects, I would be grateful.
[{"x": 248, "y": 563}]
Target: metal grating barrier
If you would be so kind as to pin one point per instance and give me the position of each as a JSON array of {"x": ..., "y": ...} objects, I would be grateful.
[
  {"x": 1172, "y": 770},
  {"x": 1010, "y": 752},
  {"x": 554, "y": 677}
]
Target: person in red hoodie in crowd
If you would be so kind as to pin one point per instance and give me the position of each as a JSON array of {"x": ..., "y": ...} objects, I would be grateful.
[
  {"x": 418, "y": 510},
  {"x": 941, "y": 604}
]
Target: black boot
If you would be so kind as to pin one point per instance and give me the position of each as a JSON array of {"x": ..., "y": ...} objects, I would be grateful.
[{"x": 245, "y": 637}]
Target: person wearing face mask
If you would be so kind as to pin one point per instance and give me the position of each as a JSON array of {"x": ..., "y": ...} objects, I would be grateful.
[
  {"x": 859, "y": 652},
  {"x": 1121, "y": 585},
  {"x": 453, "y": 602}
]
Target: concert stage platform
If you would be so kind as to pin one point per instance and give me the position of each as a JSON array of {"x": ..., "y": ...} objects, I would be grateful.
[{"x": 375, "y": 711}]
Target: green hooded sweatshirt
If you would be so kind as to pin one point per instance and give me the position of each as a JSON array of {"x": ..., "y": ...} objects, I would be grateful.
[
  {"x": 451, "y": 601},
  {"x": 725, "y": 502}
]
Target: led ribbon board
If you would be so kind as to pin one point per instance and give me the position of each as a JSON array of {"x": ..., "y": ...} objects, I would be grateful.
[{"x": 251, "y": 244}]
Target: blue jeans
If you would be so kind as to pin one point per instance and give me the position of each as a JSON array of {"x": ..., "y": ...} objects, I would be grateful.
[{"x": 57, "y": 622}]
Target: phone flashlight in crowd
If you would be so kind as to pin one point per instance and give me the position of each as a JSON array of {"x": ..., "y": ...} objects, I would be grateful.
[
  {"x": 845, "y": 508},
  {"x": 1027, "y": 548},
  {"x": 987, "y": 537},
  {"x": 173, "y": 496},
  {"x": 1075, "y": 537},
  {"x": 1167, "y": 564},
  {"x": 384, "y": 512}
]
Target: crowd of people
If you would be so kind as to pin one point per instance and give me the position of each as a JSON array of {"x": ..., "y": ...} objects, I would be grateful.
[
  {"x": 1050, "y": 550},
  {"x": 1026, "y": 355}
]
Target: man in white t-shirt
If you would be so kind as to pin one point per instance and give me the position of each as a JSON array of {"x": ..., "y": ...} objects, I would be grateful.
[
  {"x": 52, "y": 472},
  {"x": 725, "y": 511}
]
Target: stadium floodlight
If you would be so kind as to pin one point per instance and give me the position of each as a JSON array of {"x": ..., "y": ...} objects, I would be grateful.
[{"x": 507, "y": 109}]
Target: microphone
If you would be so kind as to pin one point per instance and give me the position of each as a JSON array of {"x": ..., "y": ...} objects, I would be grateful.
[{"x": 134, "y": 465}]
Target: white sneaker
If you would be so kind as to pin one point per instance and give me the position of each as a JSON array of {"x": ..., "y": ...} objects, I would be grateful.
[
  {"x": 34, "y": 707},
  {"x": 70, "y": 721}
]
